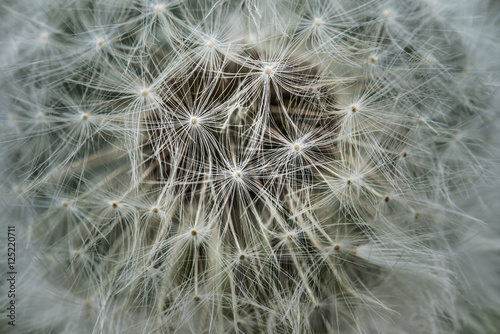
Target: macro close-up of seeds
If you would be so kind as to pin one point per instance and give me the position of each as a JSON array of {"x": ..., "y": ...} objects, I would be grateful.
[{"x": 250, "y": 166}]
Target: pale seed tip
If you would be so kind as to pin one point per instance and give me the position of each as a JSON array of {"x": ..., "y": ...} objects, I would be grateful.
[
  {"x": 144, "y": 92},
  {"x": 85, "y": 117},
  {"x": 318, "y": 22},
  {"x": 210, "y": 44},
  {"x": 268, "y": 70},
  {"x": 100, "y": 42},
  {"x": 159, "y": 8}
]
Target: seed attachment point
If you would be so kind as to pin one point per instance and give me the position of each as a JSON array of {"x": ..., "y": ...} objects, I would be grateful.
[
  {"x": 317, "y": 22},
  {"x": 159, "y": 8}
]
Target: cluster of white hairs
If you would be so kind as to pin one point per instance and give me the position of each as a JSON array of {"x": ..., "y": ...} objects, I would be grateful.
[{"x": 251, "y": 166}]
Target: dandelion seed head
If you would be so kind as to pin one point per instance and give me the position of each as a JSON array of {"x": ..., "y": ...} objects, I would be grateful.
[{"x": 253, "y": 155}]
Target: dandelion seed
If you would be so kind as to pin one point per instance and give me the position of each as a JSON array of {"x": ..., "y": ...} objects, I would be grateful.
[
  {"x": 144, "y": 92},
  {"x": 353, "y": 108},
  {"x": 194, "y": 232},
  {"x": 194, "y": 120},
  {"x": 154, "y": 209},
  {"x": 114, "y": 204},
  {"x": 268, "y": 70},
  {"x": 85, "y": 117},
  {"x": 317, "y": 22},
  {"x": 40, "y": 116},
  {"x": 372, "y": 59},
  {"x": 210, "y": 44},
  {"x": 65, "y": 203},
  {"x": 100, "y": 42},
  {"x": 44, "y": 36}
]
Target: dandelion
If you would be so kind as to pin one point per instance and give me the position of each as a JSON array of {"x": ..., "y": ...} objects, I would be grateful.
[{"x": 251, "y": 166}]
